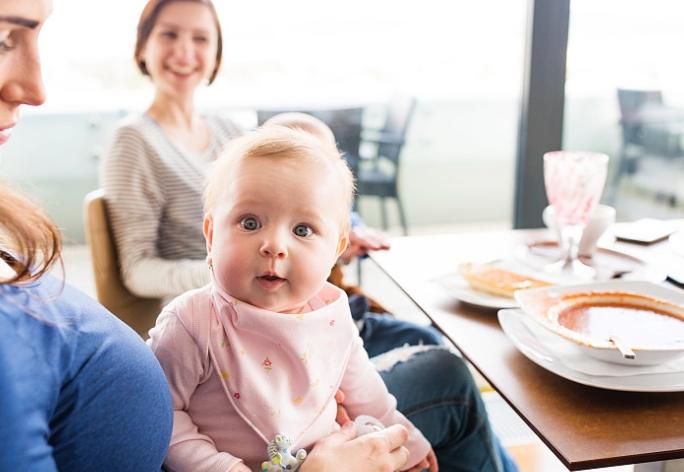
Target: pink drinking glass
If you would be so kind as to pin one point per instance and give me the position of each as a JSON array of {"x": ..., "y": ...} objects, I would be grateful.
[{"x": 574, "y": 182}]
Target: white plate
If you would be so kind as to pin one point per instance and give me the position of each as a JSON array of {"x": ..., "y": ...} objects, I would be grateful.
[
  {"x": 531, "y": 346},
  {"x": 537, "y": 303},
  {"x": 606, "y": 261},
  {"x": 677, "y": 242},
  {"x": 461, "y": 289}
]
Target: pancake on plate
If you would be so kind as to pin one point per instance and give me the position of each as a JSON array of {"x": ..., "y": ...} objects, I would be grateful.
[{"x": 495, "y": 280}]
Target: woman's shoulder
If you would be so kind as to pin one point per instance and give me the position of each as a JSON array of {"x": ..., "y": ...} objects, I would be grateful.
[
  {"x": 134, "y": 125},
  {"x": 66, "y": 328},
  {"x": 225, "y": 125}
]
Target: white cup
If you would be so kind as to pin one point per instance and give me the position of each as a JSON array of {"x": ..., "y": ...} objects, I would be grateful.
[{"x": 600, "y": 220}]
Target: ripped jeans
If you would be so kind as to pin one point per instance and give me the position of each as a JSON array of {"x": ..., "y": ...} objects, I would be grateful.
[{"x": 436, "y": 392}]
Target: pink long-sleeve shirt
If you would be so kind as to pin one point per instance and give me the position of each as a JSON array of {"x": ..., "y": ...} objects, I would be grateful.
[{"x": 240, "y": 374}]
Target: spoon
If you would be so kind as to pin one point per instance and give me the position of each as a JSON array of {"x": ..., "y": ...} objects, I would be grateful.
[{"x": 625, "y": 350}]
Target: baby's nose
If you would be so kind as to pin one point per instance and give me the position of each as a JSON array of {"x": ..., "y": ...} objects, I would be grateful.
[{"x": 274, "y": 247}]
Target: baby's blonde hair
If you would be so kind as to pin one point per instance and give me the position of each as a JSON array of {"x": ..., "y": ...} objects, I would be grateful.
[
  {"x": 306, "y": 122},
  {"x": 282, "y": 143}
]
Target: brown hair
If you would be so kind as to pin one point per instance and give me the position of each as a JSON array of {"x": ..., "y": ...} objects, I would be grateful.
[
  {"x": 32, "y": 240},
  {"x": 148, "y": 18}
]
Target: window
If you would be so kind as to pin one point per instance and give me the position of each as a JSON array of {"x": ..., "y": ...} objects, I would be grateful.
[
  {"x": 463, "y": 63},
  {"x": 628, "y": 51}
]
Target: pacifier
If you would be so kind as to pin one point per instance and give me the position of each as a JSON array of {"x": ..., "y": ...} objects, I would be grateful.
[{"x": 366, "y": 424}]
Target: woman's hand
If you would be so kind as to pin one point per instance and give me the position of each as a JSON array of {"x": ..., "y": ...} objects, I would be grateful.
[
  {"x": 363, "y": 239},
  {"x": 342, "y": 418},
  {"x": 375, "y": 452}
]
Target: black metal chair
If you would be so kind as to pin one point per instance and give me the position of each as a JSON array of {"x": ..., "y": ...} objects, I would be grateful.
[
  {"x": 649, "y": 128},
  {"x": 345, "y": 124},
  {"x": 378, "y": 174}
]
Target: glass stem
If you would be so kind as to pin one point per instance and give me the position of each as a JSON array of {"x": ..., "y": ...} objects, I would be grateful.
[{"x": 570, "y": 238}]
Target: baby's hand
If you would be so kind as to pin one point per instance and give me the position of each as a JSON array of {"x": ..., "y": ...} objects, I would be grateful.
[{"x": 430, "y": 463}]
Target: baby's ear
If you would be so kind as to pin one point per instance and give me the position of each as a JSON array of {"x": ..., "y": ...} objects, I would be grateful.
[
  {"x": 208, "y": 230},
  {"x": 343, "y": 244}
]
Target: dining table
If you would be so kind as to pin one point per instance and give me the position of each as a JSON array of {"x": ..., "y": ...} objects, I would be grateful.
[{"x": 583, "y": 425}]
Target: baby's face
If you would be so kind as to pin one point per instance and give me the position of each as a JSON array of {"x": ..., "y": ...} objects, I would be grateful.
[{"x": 276, "y": 232}]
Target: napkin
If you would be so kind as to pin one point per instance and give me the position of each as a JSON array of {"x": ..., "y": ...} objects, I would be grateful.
[{"x": 569, "y": 355}]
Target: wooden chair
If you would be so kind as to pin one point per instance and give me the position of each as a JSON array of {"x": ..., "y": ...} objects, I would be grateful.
[{"x": 138, "y": 313}]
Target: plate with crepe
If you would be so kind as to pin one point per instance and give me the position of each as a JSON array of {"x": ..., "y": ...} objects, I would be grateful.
[
  {"x": 490, "y": 284},
  {"x": 627, "y": 322}
]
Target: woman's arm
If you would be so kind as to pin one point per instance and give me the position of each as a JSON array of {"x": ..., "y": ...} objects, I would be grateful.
[
  {"x": 23, "y": 432},
  {"x": 155, "y": 277},
  {"x": 78, "y": 389}
]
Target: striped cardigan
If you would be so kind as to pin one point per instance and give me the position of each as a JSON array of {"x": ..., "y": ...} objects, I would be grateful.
[{"x": 154, "y": 199}]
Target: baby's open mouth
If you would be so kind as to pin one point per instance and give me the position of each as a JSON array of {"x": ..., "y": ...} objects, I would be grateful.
[
  {"x": 270, "y": 281},
  {"x": 270, "y": 278}
]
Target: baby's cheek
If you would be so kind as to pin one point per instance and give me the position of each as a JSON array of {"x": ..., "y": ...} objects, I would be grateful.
[{"x": 228, "y": 273}]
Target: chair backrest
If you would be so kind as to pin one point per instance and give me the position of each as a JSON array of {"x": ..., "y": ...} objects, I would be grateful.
[
  {"x": 138, "y": 313},
  {"x": 632, "y": 101},
  {"x": 397, "y": 120}
]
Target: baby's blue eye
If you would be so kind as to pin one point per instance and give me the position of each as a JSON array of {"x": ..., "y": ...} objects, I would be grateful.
[
  {"x": 250, "y": 223},
  {"x": 303, "y": 231}
]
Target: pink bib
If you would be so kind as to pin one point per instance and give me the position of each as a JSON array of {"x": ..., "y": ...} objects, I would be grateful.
[{"x": 281, "y": 371}]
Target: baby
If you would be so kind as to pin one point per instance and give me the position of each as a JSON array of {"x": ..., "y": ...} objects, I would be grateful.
[{"x": 255, "y": 357}]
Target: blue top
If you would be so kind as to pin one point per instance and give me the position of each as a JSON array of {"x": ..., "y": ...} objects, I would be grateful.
[{"x": 79, "y": 390}]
